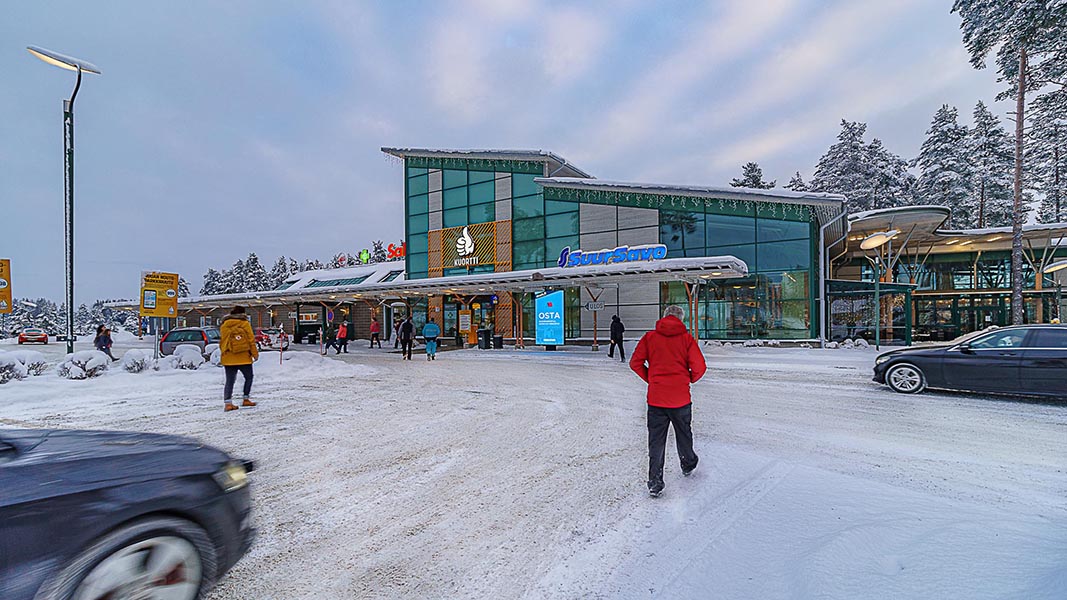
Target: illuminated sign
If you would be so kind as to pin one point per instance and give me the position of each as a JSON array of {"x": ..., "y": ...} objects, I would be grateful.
[
  {"x": 549, "y": 319},
  {"x": 397, "y": 252},
  {"x": 607, "y": 256},
  {"x": 364, "y": 256},
  {"x": 159, "y": 294},
  {"x": 465, "y": 250}
]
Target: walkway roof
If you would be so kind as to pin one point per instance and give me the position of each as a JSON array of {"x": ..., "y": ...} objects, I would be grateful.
[{"x": 556, "y": 163}]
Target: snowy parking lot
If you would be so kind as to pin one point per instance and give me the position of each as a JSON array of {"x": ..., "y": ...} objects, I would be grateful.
[{"x": 505, "y": 474}]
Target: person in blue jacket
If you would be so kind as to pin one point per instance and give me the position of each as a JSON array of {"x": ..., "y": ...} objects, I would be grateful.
[{"x": 430, "y": 331}]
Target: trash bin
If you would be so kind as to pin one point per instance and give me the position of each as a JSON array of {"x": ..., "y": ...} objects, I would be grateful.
[
  {"x": 484, "y": 339},
  {"x": 498, "y": 342},
  {"x": 459, "y": 339}
]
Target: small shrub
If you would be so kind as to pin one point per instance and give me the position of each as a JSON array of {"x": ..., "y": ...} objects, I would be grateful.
[
  {"x": 83, "y": 365},
  {"x": 136, "y": 361}
]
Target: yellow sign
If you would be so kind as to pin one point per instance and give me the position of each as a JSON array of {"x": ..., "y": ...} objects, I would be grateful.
[
  {"x": 159, "y": 294},
  {"x": 464, "y": 321},
  {"x": 5, "y": 286}
]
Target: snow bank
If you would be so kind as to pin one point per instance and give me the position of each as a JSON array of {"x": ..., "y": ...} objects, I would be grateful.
[
  {"x": 11, "y": 368},
  {"x": 121, "y": 335},
  {"x": 34, "y": 361},
  {"x": 84, "y": 364},
  {"x": 136, "y": 361}
]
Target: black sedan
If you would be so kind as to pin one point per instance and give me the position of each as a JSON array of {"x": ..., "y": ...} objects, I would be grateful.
[
  {"x": 1023, "y": 360},
  {"x": 99, "y": 515}
]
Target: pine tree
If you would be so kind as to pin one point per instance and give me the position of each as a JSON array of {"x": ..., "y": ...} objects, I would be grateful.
[
  {"x": 378, "y": 254},
  {"x": 212, "y": 283},
  {"x": 1048, "y": 155},
  {"x": 991, "y": 156},
  {"x": 797, "y": 183},
  {"x": 1031, "y": 52},
  {"x": 294, "y": 266},
  {"x": 255, "y": 276},
  {"x": 945, "y": 177},
  {"x": 312, "y": 265},
  {"x": 278, "y": 273},
  {"x": 183, "y": 287},
  {"x": 891, "y": 183},
  {"x": 752, "y": 177},
  {"x": 845, "y": 168},
  {"x": 233, "y": 279},
  {"x": 83, "y": 320}
]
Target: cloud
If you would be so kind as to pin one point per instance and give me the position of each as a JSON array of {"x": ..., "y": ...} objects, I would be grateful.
[{"x": 574, "y": 42}]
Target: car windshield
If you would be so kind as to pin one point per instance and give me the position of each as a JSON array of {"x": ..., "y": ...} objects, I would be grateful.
[
  {"x": 972, "y": 335},
  {"x": 270, "y": 331},
  {"x": 31, "y": 331}
]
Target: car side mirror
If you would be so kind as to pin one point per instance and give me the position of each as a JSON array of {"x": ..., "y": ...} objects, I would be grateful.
[{"x": 966, "y": 348}]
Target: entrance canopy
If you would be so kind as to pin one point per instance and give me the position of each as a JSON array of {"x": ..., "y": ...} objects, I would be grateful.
[{"x": 692, "y": 270}]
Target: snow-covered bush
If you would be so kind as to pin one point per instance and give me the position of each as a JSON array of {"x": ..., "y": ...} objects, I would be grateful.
[
  {"x": 190, "y": 357},
  {"x": 216, "y": 357},
  {"x": 83, "y": 365},
  {"x": 11, "y": 369},
  {"x": 166, "y": 363},
  {"x": 848, "y": 344},
  {"x": 805, "y": 345},
  {"x": 135, "y": 361},
  {"x": 831, "y": 346},
  {"x": 862, "y": 343},
  {"x": 210, "y": 349},
  {"x": 752, "y": 343},
  {"x": 33, "y": 360},
  {"x": 774, "y": 343}
]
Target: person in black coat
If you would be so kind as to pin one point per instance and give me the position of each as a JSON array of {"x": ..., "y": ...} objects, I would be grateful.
[
  {"x": 407, "y": 337},
  {"x": 617, "y": 330}
]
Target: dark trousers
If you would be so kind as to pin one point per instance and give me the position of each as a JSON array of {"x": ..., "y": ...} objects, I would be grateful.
[
  {"x": 659, "y": 420},
  {"x": 396, "y": 340},
  {"x": 376, "y": 337},
  {"x": 611, "y": 349},
  {"x": 405, "y": 347},
  {"x": 342, "y": 344},
  {"x": 231, "y": 378}
]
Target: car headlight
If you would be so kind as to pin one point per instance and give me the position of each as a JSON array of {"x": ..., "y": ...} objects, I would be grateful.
[
  {"x": 881, "y": 359},
  {"x": 231, "y": 477}
]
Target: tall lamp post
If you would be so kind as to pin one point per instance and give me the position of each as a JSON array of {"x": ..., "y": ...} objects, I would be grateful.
[
  {"x": 80, "y": 66},
  {"x": 1052, "y": 268},
  {"x": 872, "y": 242}
]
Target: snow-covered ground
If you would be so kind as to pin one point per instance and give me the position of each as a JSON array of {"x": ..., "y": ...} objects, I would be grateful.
[{"x": 502, "y": 474}]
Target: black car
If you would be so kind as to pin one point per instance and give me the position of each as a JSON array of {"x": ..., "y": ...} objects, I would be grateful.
[
  {"x": 1023, "y": 360},
  {"x": 102, "y": 515}
]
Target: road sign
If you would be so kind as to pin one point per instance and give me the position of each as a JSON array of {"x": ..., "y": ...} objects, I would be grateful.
[
  {"x": 159, "y": 294},
  {"x": 5, "y": 286},
  {"x": 593, "y": 306}
]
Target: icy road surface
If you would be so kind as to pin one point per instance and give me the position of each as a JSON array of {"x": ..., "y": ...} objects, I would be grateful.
[{"x": 522, "y": 474}]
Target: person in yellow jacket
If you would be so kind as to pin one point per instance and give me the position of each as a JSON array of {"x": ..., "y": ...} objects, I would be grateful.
[{"x": 238, "y": 348}]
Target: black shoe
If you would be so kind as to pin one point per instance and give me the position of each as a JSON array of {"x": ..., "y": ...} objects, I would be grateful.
[
  {"x": 655, "y": 490},
  {"x": 688, "y": 471}
]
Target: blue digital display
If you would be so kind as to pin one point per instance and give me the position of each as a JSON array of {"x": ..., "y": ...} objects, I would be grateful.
[{"x": 549, "y": 315}]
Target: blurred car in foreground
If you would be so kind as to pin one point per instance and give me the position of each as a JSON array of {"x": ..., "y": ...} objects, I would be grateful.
[
  {"x": 193, "y": 336},
  {"x": 271, "y": 338},
  {"x": 103, "y": 515},
  {"x": 33, "y": 335},
  {"x": 1023, "y": 360}
]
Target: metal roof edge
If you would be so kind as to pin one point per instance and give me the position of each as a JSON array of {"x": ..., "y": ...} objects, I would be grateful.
[{"x": 779, "y": 195}]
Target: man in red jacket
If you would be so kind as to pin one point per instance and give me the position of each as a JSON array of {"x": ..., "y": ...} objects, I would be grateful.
[{"x": 669, "y": 360}]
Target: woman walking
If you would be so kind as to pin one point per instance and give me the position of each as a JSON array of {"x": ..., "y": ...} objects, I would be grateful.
[
  {"x": 238, "y": 347},
  {"x": 375, "y": 332},
  {"x": 102, "y": 341}
]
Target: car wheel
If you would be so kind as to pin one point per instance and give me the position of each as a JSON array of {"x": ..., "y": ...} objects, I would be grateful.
[
  {"x": 905, "y": 378},
  {"x": 162, "y": 557},
  {"x": 20, "y": 342}
]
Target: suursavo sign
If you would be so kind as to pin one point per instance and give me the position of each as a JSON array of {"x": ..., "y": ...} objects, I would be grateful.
[{"x": 621, "y": 254}]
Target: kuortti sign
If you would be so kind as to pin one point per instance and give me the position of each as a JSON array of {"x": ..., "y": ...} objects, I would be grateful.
[
  {"x": 465, "y": 250},
  {"x": 608, "y": 256},
  {"x": 549, "y": 319}
]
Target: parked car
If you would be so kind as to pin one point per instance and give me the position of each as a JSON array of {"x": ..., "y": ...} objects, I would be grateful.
[
  {"x": 107, "y": 514},
  {"x": 33, "y": 335},
  {"x": 196, "y": 336},
  {"x": 271, "y": 338},
  {"x": 1022, "y": 360}
]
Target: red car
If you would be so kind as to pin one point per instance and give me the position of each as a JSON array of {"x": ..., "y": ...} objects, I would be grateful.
[
  {"x": 33, "y": 335},
  {"x": 271, "y": 338}
]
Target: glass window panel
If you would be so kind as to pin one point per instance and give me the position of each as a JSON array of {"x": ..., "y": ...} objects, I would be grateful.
[
  {"x": 779, "y": 256},
  {"x": 727, "y": 230},
  {"x": 560, "y": 225},
  {"x": 418, "y": 224},
  {"x": 553, "y": 246},
  {"x": 791, "y": 285},
  {"x": 480, "y": 176},
  {"x": 1001, "y": 339},
  {"x": 417, "y": 243},
  {"x": 454, "y": 178},
  {"x": 529, "y": 253},
  {"x": 553, "y": 207},
  {"x": 455, "y": 198},
  {"x": 693, "y": 232},
  {"x": 481, "y": 213},
  {"x": 417, "y": 263},
  {"x": 769, "y": 230},
  {"x": 523, "y": 184},
  {"x": 419, "y": 204},
  {"x": 529, "y": 229},
  {"x": 745, "y": 252},
  {"x": 670, "y": 235},
  {"x": 413, "y": 171},
  {"x": 530, "y": 206},
  {"x": 1049, "y": 338},
  {"x": 454, "y": 217},
  {"x": 418, "y": 185},
  {"x": 482, "y": 192}
]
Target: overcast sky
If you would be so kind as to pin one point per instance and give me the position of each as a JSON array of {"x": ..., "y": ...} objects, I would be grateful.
[{"x": 220, "y": 128}]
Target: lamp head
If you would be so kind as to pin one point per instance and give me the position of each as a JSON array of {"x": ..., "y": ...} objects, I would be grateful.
[
  {"x": 62, "y": 60},
  {"x": 876, "y": 240},
  {"x": 1056, "y": 266}
]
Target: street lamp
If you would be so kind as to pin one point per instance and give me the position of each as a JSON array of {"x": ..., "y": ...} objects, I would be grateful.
[
  {"x": 80, "y": 66},
  {"x": 871, "y": 242},
  {"x": 1052, "y": 268}
]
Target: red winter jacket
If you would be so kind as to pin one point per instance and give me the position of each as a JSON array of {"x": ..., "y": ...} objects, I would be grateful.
[{"x": 674, "y": 361}]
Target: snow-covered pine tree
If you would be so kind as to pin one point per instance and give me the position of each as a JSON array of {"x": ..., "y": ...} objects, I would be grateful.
[
  {"x": 312, "y": 264},
  {"x": 1031, "y": 52},
  {"x": 212, "y": 283},
  {"x": 752, "y": 177},
  {"x": 233, "y": 279},
  {"x": 797, "y": 183},
  {"x": 83, "y": 321},
  {"x": 255, "y": 275},
  {"x": 294, "y": 266},
  {"x": 278, "y": 273},
  {"x": 891, "y": 183},
  {"x": 183, "y": 287},
  {"x": 845, "y": 168},
  {"x": 1048, "y": 155},
  {"x": 378, "y": 254},
  {"x": 991, "y": 155},
  {"x": 945, "y": 172}
]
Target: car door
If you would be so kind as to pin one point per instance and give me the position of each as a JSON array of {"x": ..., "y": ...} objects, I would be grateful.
[
  {"x": 1043, "y": 369},
  {"x": 987, "y": 363}
]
